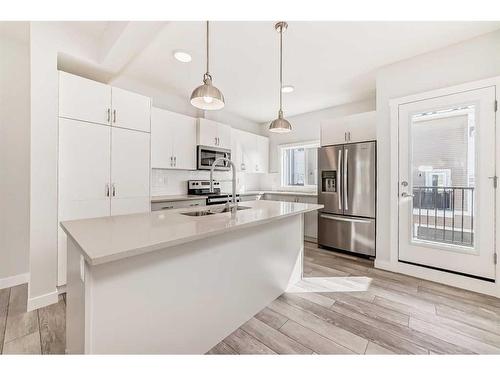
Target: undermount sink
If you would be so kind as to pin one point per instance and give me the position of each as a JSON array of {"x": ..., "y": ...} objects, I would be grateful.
[{"x": 212, "y": 211}]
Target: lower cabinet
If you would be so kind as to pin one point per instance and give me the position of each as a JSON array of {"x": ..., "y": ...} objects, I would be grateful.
[
  {"x": 103, "y": 171},
  {"x": 253, "y": 197},
  {"x": 310, "y": 218},
  {"x": 169, "y": 205}
]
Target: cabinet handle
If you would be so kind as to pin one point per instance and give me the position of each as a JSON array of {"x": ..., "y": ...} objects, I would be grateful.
[
  {"x": 175, "y": 161},
  {"x": 113, "y": 189},
  {"x": 109, "y": 115},
  {"x": 167, "y": 207},
  {"x": 349, "y": 136},
  {"x": 171, "y": 161},
  {"x": 114, "y": 115},
  {"x": 107, "y": 190}
]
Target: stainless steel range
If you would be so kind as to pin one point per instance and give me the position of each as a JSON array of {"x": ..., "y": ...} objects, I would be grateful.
[
  {"x": 202, "y": 187},
  {"x": 347, "y": 189}
]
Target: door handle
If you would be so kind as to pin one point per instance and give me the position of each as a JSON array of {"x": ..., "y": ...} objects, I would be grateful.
[
  {"x": 346, "y": 203},
  {"x": 406, "y": 195},
  {"x": 339, "y": 188},
  {"x": 114, "y": 115},
  {"x": 113, "y": 189},
  {"x": 109, "y": 115},
  {"x": 107, "y": 190}
]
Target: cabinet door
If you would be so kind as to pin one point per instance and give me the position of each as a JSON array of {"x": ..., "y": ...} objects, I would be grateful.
[
  {"x": 183, "y": 129},
  {"x": 262, "y": 154},
  {"x": 310, "y": 218},
  {"x": 223, "y": 136},
  {"x": 130, "y": 171},
  {"x": 131, "y": 110},
  {"x": 249, "y": 147},
  {"x": 364, "y": 128},
  {"x": 162, "y": 139},
  {"x": 84, "y": 99},
  {"x": 84, "y": 176},
  {"x": 207, "y": 132},
  {"x": 236, "y": 149}
]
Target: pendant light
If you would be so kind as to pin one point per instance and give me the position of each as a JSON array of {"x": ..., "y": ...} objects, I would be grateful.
[
  {"x": 280, "y": 125},
  {"x": 207, "y": 96}
]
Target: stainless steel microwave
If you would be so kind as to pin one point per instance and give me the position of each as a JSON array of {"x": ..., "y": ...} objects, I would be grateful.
[{"x": 207, "y": 155}]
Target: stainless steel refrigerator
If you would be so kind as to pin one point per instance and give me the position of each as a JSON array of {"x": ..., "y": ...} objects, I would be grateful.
[{"x": 347, "y": 189}]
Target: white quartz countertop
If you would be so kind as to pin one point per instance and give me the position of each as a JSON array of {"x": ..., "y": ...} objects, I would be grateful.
[
  {"x": 112, "y": 238},
  {"x": 174, "y": 198},
  {"x": 281, "y": 192}
]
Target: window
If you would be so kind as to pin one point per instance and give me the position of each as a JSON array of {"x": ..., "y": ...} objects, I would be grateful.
[{"x": 299, "y": 165}]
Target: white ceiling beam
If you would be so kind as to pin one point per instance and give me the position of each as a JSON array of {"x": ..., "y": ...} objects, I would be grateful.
[{"x": 122, "y": 41}]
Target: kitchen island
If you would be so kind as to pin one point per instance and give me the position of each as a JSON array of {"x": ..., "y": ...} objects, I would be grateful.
[{"x": 171, "y": 283}]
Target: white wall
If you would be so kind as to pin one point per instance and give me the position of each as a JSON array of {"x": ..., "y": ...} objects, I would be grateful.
[
  {"x": 305, "y": 127},
  {"x": 46, "y": 40},
  {"x": 468, "y": 61},
  {"x": 14, "y": 158}
]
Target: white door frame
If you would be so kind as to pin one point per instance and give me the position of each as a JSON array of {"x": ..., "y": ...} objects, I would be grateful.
[{"x": 393, "y": 264}]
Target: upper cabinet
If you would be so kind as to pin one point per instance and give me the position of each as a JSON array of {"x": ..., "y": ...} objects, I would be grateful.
[
  {"x": 130, "y": 110},
  {"x": 86, "y": 100},
  {"x": 250, "y": 152},
  {"x": 173, "y": 140},
  {"x": 355, "y": 128},
  {"x": 214, "y": 134}
]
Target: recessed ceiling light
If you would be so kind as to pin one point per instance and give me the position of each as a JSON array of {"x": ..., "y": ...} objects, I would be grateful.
[
  {"x": 287, "y": 89},
  {"x": 182, "y": 56}
]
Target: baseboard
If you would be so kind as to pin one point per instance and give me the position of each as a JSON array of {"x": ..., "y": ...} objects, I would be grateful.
[
  {"x": 43, "y": 300},
  {"x": 458, "y": 281},
  {"x": 9, "y": 282},
  {"x": 310, "y": 239}
]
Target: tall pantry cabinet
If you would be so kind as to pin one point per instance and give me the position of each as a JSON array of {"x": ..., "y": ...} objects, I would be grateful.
[{"x": 104, "y": 153}]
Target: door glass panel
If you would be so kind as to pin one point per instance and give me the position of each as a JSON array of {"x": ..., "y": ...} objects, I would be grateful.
[{"x": 442, "y": 168}]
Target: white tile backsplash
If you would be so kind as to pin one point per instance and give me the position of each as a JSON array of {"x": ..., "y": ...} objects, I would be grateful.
[{"x": 173, "y": 182}]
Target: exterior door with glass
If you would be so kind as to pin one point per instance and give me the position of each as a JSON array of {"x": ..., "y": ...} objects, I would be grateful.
[{"x": 447, "y": 181}]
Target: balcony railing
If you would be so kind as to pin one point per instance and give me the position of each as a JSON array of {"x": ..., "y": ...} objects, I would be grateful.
[{"x": 444, "y": 214}]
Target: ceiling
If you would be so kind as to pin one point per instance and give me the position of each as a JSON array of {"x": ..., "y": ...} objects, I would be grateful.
[{"x": 329, "y": 63}]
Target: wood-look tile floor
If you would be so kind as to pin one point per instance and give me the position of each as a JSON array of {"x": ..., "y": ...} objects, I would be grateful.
[
  {"x": 343, "y": 306},
  {"x": 42, "y": 331}
]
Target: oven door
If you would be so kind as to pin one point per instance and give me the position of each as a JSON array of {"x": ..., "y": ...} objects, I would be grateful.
[{"x": 206, "y": 156}]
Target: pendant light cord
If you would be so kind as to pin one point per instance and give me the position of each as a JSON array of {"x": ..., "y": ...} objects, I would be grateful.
[
  {"x": 208, "y": 58},
  {"x": 281, "y": 69}
]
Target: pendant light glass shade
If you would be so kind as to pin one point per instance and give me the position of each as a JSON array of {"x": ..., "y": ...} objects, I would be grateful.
[
  {"x": 207, "y": 96},
  {"x": 280, "y": 125}
]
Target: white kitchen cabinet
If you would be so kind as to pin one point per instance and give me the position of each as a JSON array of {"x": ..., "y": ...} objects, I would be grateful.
[
  {"x": 214, "y": 134},
  {"x": 173, "y": 140},
  {"x": 84, "y": 177},
  {"x": 310, "y": 218},
  {"x": 261, "y": 154},
  {"x": 130, "y": 172},
  {"x": 130, "y": 110},
  {"x": 354, "y": 128},
  {"x": 249, "y": 151},
  {"x": 102, "y": 171},
  {"x": 91, "y": 101},
  {"x": 84, "y": 99}
]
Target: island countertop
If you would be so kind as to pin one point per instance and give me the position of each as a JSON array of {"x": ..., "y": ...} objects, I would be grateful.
[{"x": 112, "y": 238}]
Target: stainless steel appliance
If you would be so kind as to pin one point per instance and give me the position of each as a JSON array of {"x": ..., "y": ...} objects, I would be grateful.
[
  {"x": 347, "y": 189},
  {"x": 202, "y": 187},
  {"x": 206, "y": 156}
]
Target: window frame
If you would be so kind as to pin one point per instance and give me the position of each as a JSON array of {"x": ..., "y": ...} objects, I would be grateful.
[{"x": 283, "y": 167}]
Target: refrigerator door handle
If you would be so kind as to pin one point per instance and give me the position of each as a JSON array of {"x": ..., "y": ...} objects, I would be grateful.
[
  {"x": 350, "y": 220},
  {"x": 339, "y": 167},
  {"x": 345, "y": 191}
]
